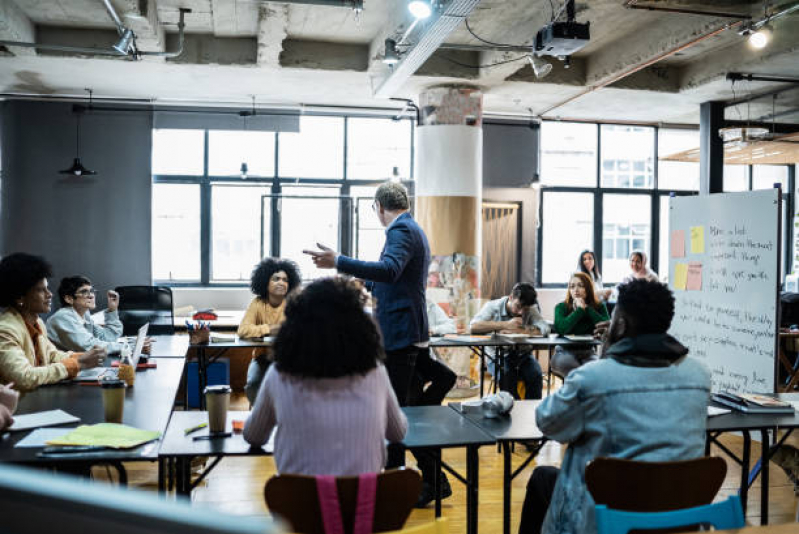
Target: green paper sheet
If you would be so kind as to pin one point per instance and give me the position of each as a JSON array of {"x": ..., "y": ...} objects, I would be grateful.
[{"x": 110, "y": 435}]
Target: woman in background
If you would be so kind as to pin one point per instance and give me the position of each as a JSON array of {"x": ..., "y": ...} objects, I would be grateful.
[
  {"x": 328, "y": 393},
  {"x": 587, "y": 264},
  {"x": 272, "y": 280},
  {"x": 639, "y": 269},
  {"x": 577, "y": 315}
]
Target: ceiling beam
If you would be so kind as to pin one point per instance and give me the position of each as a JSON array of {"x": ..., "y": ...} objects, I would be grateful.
[
  {"x": 16, "y": 26},
  {"x": 273, "y": 21}
]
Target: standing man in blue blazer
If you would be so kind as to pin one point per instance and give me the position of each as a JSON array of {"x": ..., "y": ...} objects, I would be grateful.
[{"x": 397, "y": 283}]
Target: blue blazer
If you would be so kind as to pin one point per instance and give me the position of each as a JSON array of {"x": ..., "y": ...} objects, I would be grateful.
[{"x": 397, "y": 282}]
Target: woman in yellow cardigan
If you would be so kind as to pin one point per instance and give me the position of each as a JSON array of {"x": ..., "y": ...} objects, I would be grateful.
[
  {"x": 27, "y": 358},
  {"x": 271, "y": 281}
]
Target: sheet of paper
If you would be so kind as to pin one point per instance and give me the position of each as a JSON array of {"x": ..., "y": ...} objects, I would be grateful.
[
  {"x": 694, "y": 277},
  {"x": 40, "y": 419},
  {"x": 40, "y": 437},
  {"x": 712, "y": 410},
  {"x": 680, "y": 275},
  {"x": 106, "y": 435},
  {"x": 697, "y": 240},
  {"x": 678, "y": 244}
]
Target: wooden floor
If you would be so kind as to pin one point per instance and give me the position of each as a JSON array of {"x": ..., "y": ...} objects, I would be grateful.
[{"x": 236, "y": 486}]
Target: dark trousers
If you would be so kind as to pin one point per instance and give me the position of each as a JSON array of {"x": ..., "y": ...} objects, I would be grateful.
[
  {"x": 526, "y": 368},
  {"x": 441, "y": 379},
  {"x": 536, "y": 501},
  {"x": 401, "y": 368}
]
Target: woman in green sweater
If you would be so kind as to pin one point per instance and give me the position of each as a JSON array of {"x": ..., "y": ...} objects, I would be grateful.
[{"x": 577, "y": 315}]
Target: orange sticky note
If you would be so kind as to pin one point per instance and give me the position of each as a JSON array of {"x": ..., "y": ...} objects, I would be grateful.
[
  {"x": 678, "y": 244},
  {"x": 238, "y": 425},
  {"x": 694, "y": 277}
]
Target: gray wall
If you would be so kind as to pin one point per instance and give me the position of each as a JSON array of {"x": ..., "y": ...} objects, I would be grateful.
[{"x": 98, "y": 227}]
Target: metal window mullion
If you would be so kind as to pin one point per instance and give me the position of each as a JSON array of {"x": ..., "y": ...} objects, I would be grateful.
[
  {"x": 540, "y": 241},
  {"x": 790, "y": 207},
  {"x": 654, "y": 234},
  {"x": 205, "y": 218},
  {"x": 274, "y": 225},
  {"x": 413, "y": 150}
]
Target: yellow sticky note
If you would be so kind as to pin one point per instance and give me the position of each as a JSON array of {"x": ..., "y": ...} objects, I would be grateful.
[
  {"x": 697, "y": 240},
  {"x": 681, "y": 274}
]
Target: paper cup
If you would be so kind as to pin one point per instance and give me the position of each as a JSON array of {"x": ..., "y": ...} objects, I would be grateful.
[
  {"x": 217, "y": 402},
  {"x": 113, "y": 400}
]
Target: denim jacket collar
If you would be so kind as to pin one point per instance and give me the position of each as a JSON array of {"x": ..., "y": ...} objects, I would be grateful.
[{"x": 648, "y": 350}]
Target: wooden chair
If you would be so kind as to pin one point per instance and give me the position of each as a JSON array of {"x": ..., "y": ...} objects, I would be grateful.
[
  {"x": 654, "y": 486},
  {"x": 295, "y": 499},
  {"x": 721, "y": 515}
]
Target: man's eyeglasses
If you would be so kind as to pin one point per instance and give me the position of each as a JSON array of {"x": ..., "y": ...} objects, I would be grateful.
[
  {"x": 86, "y": 293},
  {"x": 375, "y": 205}
]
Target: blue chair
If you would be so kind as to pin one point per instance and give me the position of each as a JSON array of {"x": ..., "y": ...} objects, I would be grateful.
[{"x": 722, "y": 515}]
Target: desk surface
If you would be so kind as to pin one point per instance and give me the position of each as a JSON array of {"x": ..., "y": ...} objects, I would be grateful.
[
  {"x": 441, "y": 427},
  {"x": 169, "y": 346},
  {"x": 237, "y": 343},
  {"x": 519, "y": 425},
  {"x": 148, "y": 405},
  {"x": 176, "y": 443},
  {"x": 742, "y": 421}
]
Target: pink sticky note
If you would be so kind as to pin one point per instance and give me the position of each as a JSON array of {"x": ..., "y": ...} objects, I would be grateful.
[
  {"x": 678, "y": 244},
  {"x": 694, "y": 282}
]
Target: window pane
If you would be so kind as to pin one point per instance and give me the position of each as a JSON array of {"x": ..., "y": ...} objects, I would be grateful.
[
  {"x": 677, "y": 174},
  {"x": 178, "y": 151},
  {"x": 376, "y": 146},
  {"x": 620, "y": 213},
  {"x": 736, "y": 178},
  {"x": 317, "y": 151},
  {"x": 176, "y": 232},
  {"x": 228, "y": 150},
  {"x": 236, "y": 229},
  {"x": 664, "y": 240},
  {"x": 765, "y": 176},
  {"x": 565, "y": 214},
  {"x": 628, "y": 156},
  {"x": 297, "y": 232},
  {"x": 568, "y": 154},
  {"x": 369, "y": 233}
]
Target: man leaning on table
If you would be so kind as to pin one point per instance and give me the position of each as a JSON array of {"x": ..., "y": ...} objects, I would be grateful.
[{"x": 516, "y": 313}]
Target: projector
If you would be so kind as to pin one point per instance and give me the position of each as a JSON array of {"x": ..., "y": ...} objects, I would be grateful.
[{"x": 562, "y": 38}]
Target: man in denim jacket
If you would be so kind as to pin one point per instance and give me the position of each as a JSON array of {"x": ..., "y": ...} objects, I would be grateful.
[{"x": 644, "y": 401}]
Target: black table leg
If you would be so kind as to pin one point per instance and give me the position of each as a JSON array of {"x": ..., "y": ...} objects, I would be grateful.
[
  {"x": 436, "y": 482},
  {"x": 161, "y": 475},
  {"x": 472, "y": 488},
  {"x": 201, "y": 369},
  {"x": 745, "y": 469},
  {"x": 506, "y": 487},
  {"x": 482, "y": 368},
  {"x": 764, "y": 476},
  {"x": 549, "y": 369}
]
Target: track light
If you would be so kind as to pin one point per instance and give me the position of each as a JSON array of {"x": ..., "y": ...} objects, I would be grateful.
[
  {"x": 391, "y": 56},
  {"x": 124, "y": 43},
  {"x": 761, "y": 37},
  {"x": 540, "y": 67},
  {"x": 421, "y": 9},
  {"x": 244, "y": 170}
]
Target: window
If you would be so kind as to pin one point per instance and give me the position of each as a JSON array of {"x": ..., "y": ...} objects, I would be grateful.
[
  {"x": 369, "y": 233},
  {"x": 626, "y": 226},
  {"x": 227, "y": 150},
  {"x": 567, "y": 214},
  {"x": 736, "y": 178},
  {"x": 376, "y": 146},
  {"x": 317, "y": 151},
  {"x": 176, "y": 232},
  {"x": 178, "y": 152},
  {"x": 765, "y": 176},
  {"x": 680, "y": 175},
  {"x": 664, "y": 240},
  {"x": 568, "y": 154},
  {"x": 627, "y": 156},
  {"x": 240, "y": 231}
]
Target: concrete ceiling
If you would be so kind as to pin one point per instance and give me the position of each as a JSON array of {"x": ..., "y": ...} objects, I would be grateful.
[{"x": 308, "y": 54}]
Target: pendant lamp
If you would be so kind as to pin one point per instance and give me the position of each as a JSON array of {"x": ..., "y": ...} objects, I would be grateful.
[{"x": 77, "y": 168}]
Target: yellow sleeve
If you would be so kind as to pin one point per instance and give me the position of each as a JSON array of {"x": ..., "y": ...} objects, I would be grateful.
[
  {"x": 252, "y": 325},
  {"x": 16, "y": 366}
]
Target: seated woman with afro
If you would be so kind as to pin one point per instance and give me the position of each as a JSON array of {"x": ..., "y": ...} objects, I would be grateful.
[
  {"x": 271, "y": 281},
  {"x": 27, "y": 358}
]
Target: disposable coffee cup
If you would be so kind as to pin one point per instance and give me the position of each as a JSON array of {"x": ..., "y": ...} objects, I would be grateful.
[
  {"x": 217, "y": 401},
  {"x": 553, "y": 335},
  {"x": 113, "y": 400}
]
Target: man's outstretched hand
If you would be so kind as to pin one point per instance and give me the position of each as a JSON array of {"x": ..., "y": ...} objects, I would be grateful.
[{"x": 324, "y": 258}]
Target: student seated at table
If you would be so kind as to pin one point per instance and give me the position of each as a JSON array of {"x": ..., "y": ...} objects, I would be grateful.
[
  {"x": 271, "y": 281},
  {"x": 598, "y": 413},
  {"x": 8, "y": 404},
  {"x": 639, "y": 269},
  {"x": 577, "y": 315},
  {"x": 328, "y": 392},
  {"x": 516, "y": 313},
  {"x": 72, "y": 327},
  {"x": 27, "y": 357},
  {"x": 587, "y": 264}
]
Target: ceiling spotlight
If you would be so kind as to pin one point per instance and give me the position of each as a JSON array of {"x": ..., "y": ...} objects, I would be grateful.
[
  {"x": 421, "y": 9},
  {"x": 125, "y": 42},
  {"x": 540, "y": 67},
  {"x": 391, "y": 56},
  {"x": 761, "y": 37},
  {"x": 244, "y": 170}
]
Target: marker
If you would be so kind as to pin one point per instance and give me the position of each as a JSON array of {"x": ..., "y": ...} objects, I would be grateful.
[
  {"x": 194, "y": 429},
  {"x": 212, "y": 436}
]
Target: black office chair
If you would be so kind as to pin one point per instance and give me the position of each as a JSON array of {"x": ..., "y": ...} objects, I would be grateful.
[{"x": 146, "y": 304}]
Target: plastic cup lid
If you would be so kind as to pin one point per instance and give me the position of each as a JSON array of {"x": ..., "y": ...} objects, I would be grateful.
[
  {"x": 112, "y": 383},
  {"x": 223, "y": 388}
]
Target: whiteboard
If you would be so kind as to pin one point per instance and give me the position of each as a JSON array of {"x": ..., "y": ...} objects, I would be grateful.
[{"x": 726, "y": 284}]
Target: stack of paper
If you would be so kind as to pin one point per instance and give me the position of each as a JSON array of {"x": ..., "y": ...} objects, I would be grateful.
[{"x": 106, "y": 435}]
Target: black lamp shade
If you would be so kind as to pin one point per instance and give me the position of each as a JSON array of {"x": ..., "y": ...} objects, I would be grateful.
[{"x": 77, "y": 169}]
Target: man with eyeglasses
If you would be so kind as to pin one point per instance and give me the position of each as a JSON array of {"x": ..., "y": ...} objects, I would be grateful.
[{"x": 72, "y": 327}]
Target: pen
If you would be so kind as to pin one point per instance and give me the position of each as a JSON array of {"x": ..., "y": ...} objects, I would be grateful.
[
  {"x": 194, "y": 428},
  {"x": 72, "y": 450},
  {"x": 212, "y": 436}
]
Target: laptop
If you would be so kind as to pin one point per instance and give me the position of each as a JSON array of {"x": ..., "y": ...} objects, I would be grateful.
[{"x": 94, "y": 374}]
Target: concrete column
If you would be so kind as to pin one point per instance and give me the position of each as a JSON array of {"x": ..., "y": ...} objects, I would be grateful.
[
  {"x": 711, "y": 148},
  {"x": 449, "y": 183}
]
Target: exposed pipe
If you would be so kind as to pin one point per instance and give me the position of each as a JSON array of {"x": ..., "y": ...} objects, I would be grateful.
[
  {"x": 112, "y": 12},
  {"x": 352, "y": 4},
  {"x": 738, "y": 77},
  {"x": 633, "y": 4},
  {"x": 635, "y": 68},
  {"x": 179, "y": 51},
  {"x": 482, "y": 48}
]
